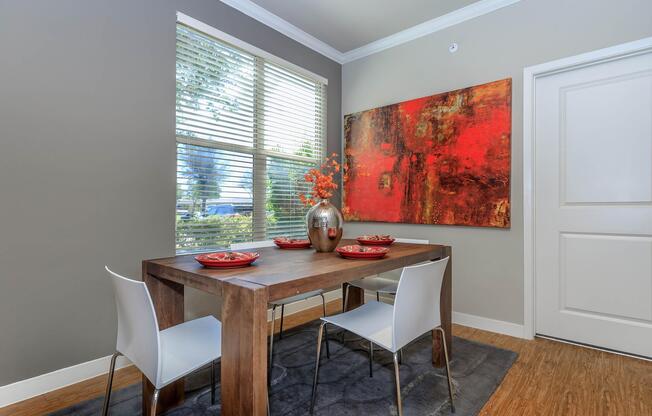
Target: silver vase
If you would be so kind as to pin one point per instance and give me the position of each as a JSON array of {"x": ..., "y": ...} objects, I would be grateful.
[{"x": 324, "y": 223}]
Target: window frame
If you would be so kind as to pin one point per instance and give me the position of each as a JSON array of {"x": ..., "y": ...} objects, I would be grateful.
[
  {"x": 253, "y": 50},
  {"x": 257, "y": 151}
]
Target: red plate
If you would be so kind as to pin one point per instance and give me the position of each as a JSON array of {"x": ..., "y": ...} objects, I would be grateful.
[
  {"x": 226, "y": 259},
  {"x": 291, "y": 243},
  {"x": 360, "y": 252},
  {"x": 375, "y": 240}
]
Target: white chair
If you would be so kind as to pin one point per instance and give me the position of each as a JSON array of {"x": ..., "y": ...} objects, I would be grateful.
[
  {"x": 384, "y": 283},
  {"x": 162, "y": 356},
  {"x": 415, "y": 312},
  {"x": 282, "y": 302}
]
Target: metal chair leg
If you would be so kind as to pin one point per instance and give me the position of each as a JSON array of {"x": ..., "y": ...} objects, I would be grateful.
[
  {"x": 448, "y": 368},
  {"x": 280, "y": 332},
  {"x": 314, "y": 383},
  {"x": 271, "y": 346},
  {"x": 152, "y": 410},
  {"x": 399, "y": 403},
  {"x": 109, "y": 383},
  {"x": 323, "y": 304},
  {"x": 400, "y": 356},
  {"x": 328, "y": 350},
  {"x": 344, "y": 308},
  {"x": 212, "y": 382},
  {"x": 371, "y": 359}
]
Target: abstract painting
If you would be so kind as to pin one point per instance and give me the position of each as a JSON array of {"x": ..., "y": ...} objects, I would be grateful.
[{"x": 442, "y": 159}]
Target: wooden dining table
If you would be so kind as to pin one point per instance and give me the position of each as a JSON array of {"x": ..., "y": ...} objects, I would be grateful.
[{"x": 246, "y": 293}]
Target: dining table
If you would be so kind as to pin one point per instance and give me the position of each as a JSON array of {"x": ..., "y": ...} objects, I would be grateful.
[{"x": 245, "y": 295}]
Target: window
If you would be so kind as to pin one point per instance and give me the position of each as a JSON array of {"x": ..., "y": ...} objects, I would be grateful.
[{"x": 248, "y": 127}]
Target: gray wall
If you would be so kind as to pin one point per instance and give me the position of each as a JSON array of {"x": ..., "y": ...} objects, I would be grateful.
[
  {"x": 87, "y": 162},
  {"x": 488, "y": 263}
]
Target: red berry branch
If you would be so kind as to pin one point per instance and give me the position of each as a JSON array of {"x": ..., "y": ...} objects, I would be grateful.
[{"x": 322, "y": 180}]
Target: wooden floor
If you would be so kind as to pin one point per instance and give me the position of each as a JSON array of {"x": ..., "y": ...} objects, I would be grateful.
[{"x": 549, "y": 378}]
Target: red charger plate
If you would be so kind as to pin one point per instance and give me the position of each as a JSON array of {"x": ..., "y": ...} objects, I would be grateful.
[
  {"x": 360, "y": 252},
  {"x": 226, "y": 259},
  {"x": 291, "y": 243},
  {"x": 368, "y": 240}
]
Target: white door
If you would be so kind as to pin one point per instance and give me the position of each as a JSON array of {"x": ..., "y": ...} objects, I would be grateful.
[{"x": 593, "y": 204}]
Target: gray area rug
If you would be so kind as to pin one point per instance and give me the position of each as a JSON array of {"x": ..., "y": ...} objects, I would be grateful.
[{"x": 345, "y": 387}]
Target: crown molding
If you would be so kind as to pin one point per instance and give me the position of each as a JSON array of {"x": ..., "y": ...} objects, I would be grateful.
[
  {"x": 469, "y": 12},
  {"x": 458, "y": 16},
  {"x": 268, "y": 18}
]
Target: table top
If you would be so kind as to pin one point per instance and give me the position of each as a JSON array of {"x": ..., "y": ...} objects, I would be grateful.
[{"x": 290, "y": 272}]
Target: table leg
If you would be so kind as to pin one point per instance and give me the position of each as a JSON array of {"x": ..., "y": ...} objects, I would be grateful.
[
  {"x": 167, "y": 297},
  {"x": 355, "y": 297},
  {"x": 244, "y": 348},
  {"x": 446, "y": 305}
]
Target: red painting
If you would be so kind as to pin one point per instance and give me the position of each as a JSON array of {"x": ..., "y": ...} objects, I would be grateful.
[{"x": 443, "y": 159}]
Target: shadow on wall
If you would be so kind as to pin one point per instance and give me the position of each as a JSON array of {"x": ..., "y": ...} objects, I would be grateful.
[{"x": 198, "y": 304}]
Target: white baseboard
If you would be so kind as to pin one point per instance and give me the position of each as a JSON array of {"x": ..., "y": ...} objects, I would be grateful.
[
  {"x": 35, "y": 386},
  {"x": 488, "y": 324},
  {"x": 26, "y": 389},
  {"x": 473, "y": 321}
]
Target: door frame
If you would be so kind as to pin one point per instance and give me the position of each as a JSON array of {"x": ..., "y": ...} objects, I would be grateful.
[{"x": 530, "y": 75}]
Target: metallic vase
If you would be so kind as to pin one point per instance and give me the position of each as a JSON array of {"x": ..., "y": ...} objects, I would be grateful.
[{"x": 324, "y": 223}]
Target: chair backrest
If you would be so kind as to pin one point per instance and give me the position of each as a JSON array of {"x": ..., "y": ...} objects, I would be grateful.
[
  {"x": 396, "y": 274},
  {"x": 416, "y": 307},
  {"x": 138, "y": 332},
  {"x": 252, "y": 244},
  {"x": 411, "y": 240}
]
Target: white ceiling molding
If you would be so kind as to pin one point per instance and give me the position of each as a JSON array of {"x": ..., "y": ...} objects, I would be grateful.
[
  {"x": 469, "y": 12},
  {"x": 268, "y": 18}
]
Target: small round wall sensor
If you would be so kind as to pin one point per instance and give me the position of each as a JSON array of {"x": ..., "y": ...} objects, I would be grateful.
[{"x": 453, "y": 47}]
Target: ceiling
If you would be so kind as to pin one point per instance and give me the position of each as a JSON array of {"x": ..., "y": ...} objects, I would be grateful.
[
  {"x": 350, "y": 24},
  {"x": 346, "y": 30}
]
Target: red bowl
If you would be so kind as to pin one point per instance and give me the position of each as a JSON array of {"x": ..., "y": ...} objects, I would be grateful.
[
  {"x": 355, "y": 251},
  {"x": 368, "y": 240},
  {"x": 291, "y": 243},
  {"x": 226, "y": 259}
]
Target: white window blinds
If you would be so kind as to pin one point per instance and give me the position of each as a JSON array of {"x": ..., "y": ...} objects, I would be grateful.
[{"x": 247, "y": 130}]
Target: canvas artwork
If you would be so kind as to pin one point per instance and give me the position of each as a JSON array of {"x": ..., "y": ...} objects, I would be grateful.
[{"x": 442, "y": 159}]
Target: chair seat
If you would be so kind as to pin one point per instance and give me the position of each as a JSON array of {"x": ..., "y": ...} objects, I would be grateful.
[
  {"x": 297, "y": 298},
  {"x": 376, "y": 284},
  {"x": 189, "y": 346},
  {"x": 372, "y": 321}
]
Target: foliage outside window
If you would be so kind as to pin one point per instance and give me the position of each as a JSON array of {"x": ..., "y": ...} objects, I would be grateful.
[{"x": 247, "y": 132}]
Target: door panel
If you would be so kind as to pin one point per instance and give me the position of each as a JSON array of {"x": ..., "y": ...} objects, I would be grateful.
[
  {"x": 593, "y": 204},
  {"x": 606, "y": 275},
  {"x": 606, "y": 150}
]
